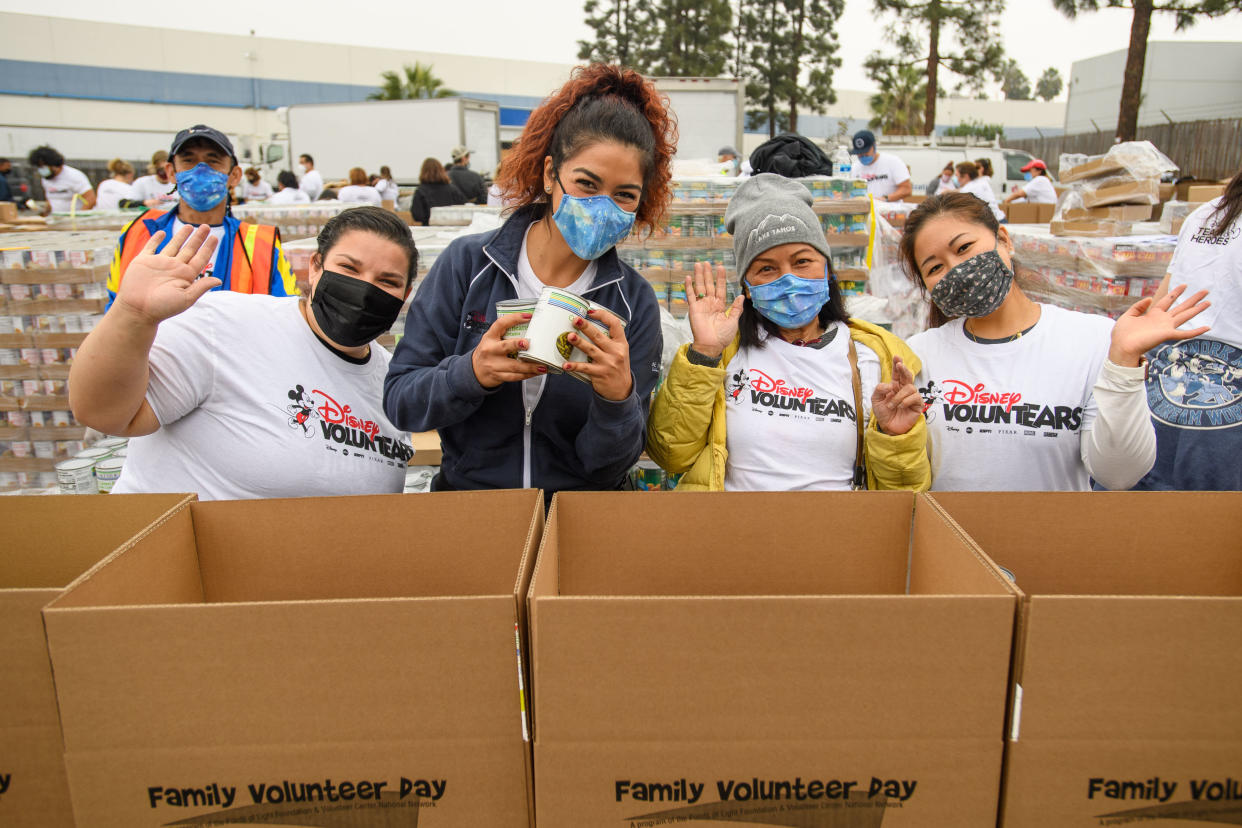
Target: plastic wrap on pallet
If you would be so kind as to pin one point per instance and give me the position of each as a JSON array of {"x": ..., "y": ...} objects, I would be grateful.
[
  {"x": 906, "y": 305},
  {"x": 1175, "y": 212},
  {"x": 1133, "y": 160}
]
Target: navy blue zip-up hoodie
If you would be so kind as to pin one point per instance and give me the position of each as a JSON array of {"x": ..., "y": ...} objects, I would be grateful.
[{"x": 575, "y": 439}]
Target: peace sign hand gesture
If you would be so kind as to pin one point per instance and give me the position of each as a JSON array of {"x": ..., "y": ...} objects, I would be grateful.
[
  {"x": 713, "y": 322},
  {"x": 897, "y": 405},
  {"x": 157, "y": 286}
]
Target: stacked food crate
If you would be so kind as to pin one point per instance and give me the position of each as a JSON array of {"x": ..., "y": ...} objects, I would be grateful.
[
  {"x": 295, "y": 221},
  {"x": 1108, "y": 194},
  {"x": 52, "y": 292}
]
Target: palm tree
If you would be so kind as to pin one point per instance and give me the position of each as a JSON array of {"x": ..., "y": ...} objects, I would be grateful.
[
  {"x": 419, "y": 82},
  {"x": 898, "y": 108}
]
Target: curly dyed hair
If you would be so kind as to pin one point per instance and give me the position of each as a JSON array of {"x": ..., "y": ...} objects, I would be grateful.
[{"x": 599, "y": 103}]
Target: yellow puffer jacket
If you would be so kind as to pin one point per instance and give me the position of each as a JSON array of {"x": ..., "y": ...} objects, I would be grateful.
[{"x": 686, "y": 429}]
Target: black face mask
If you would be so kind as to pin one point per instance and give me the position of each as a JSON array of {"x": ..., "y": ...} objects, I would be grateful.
[{"x": 352, "y": 312}]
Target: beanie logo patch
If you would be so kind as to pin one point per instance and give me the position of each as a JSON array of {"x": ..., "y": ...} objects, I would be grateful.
[{"x": 785, "y": 224}]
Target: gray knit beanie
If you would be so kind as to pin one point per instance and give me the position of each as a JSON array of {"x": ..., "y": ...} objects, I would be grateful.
[{"x": 768, "y": 210}]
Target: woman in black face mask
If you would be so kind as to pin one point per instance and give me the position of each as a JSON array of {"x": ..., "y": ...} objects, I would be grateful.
[
  {"x": 243, "y": 396},
  {"x": 1023, "y": 396}
]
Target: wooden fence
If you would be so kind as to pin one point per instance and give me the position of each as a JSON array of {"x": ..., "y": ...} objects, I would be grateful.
[{"x": 1203, "y": 149}]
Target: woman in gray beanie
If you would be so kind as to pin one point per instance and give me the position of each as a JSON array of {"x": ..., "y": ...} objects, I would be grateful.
[{"x": 768, "y": 395}]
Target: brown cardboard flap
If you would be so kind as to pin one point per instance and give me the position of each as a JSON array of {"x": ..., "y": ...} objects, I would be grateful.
[
  {"x": 33, "y": 761},
  {"x": 725, "y": 669},
  {"x": 1107, "y": 543},
  {"x": 241, "y": 674},
  {"x": 943, "y": 561},
  {"x": 161, "y": 567},
  {"x": 26, "y": 677},
  {"x": 310, "y": 548},
  {"x": 732, "y": 543},
  {"x": 1118, "y": 668},
  {"x": 49, "y": 541}
]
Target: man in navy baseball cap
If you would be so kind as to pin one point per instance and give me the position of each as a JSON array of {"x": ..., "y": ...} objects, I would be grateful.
[
  {"x": 888, "y": 179},
  {"x": 248, "y": 257}
]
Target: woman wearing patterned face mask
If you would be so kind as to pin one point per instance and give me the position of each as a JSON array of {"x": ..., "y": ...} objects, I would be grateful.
[
  {"x": 780, "y": 390},
  {"x": 593, "y": 163},
  {"x": 1023, "y": 396}
]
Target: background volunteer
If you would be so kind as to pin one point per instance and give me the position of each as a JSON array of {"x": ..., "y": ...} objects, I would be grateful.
[
  {"x": 156, "y": 188},
  {"x": 312, "y": 181},
  {"x": 1038, "y": 188},
  {"x": 970, "y": 181},
  {"x": 1194, "y": 388},
  {"x": 887, "y": 177},
  {"x": 65, "y": 188}
]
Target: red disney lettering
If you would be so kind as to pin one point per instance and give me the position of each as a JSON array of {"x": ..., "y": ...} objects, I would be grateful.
[
  {"x": 960, "y": 393},
  {"x": 763, "y": 383},
  {"x": 333, "y": 412}
]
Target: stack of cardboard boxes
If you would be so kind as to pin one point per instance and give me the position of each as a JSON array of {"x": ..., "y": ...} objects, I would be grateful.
[{"x": 1110, "y": 192}]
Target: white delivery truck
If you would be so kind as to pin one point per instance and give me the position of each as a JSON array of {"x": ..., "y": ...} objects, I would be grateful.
[
  {"x": 396, "y": 134},
  {"x": 709, "y": 114}
]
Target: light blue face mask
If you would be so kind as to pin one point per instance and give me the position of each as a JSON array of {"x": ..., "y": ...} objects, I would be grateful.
[
  {"x": 868, "y": 160},
  {"x": 202, "y": 188},
  {"x": 1026, "y": 176},
  {"x": 790, "y": 302},
  {"x": 591, "y": 226}
]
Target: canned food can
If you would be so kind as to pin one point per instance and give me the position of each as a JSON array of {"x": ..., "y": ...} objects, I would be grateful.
[
  {"x": 93, "y": 454},
  {"x": 44, "y": 449},
  {"x": 107, "y": 472},
  {"x": 647, "y": 476},
  {"x": 111, "y": 443},
  {"x": 77, "y": 476}
]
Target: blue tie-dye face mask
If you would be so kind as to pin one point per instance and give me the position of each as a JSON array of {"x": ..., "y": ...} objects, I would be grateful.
[
  {"x": 791, "y": 301},
  {"x": 591, "y": 226},
  {"x": 201, "y": 187}
]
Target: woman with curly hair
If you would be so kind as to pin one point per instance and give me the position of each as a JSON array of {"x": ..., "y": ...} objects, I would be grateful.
[{"x": 593, "y": 163}]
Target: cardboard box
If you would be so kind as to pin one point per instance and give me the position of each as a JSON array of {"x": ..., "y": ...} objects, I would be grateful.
[
  {"x": 1167, "y": 192},
  {"x": 1090, "y": 227},
  {"x": 260, "y": 661},
  {"x": 1146, "y": 191},
  {"x": 1027, "y": 213},
  {"x": 8, "y": 211},
  {"x": 697, "y": 654},
  {"x": 1097, "y": 167},
  {"x": 1120, "y": 212},
  {"x": 1202, "y": 193},
  {"x": 426, "y": 445},
  {"x": 1127, "y": 654},
  {"x": 47, "y": 542}
]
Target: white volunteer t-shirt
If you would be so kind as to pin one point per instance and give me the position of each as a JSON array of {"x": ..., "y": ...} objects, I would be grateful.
[
  {"x": 1010, "y": 416},
  {"x": 1039, "y": 190},
  {"x": 311, "y": 184},
  {"x": 388, "y": 189},
  {"x": 359, "y": 193},
  {"x": 255, "y": 192},
  {"x": 884, "y": 175},
  {"x": 217, "y": 233},
  {"x": 149, "y": 187},
  {"x": 529, "y": 286},
  {"x": 61, "y": 188},
  {"x": 251, "y": 404},
  {"x": 1203, "y": 261},
  {"x": 110, "y": 192},
  {"x": 790, "y": 421},
  {"x": 289, "y": 195},
  {"x": 980, "y": 188}
]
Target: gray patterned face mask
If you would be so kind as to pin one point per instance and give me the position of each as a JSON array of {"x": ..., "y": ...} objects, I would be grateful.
[{"x": 976, "y": 287}]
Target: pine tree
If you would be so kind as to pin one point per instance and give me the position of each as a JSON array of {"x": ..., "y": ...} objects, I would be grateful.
[
  {"x": 692, "y": 38},
  {"x": 1187, "y": 12},
  {"x": 788, "y": 57},
  {"x": 624, "y": 33},
  {"x": 1014, "y": 82},
  {"x": 961, "y": 36},
  {"x": 1049, "y": 84}
]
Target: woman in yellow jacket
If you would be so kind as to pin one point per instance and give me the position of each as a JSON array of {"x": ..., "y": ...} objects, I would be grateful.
[{"x": 773, "y": 392}]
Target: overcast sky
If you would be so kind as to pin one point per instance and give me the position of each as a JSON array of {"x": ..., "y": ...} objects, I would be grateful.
[{"x": 1035, "y": 34}]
